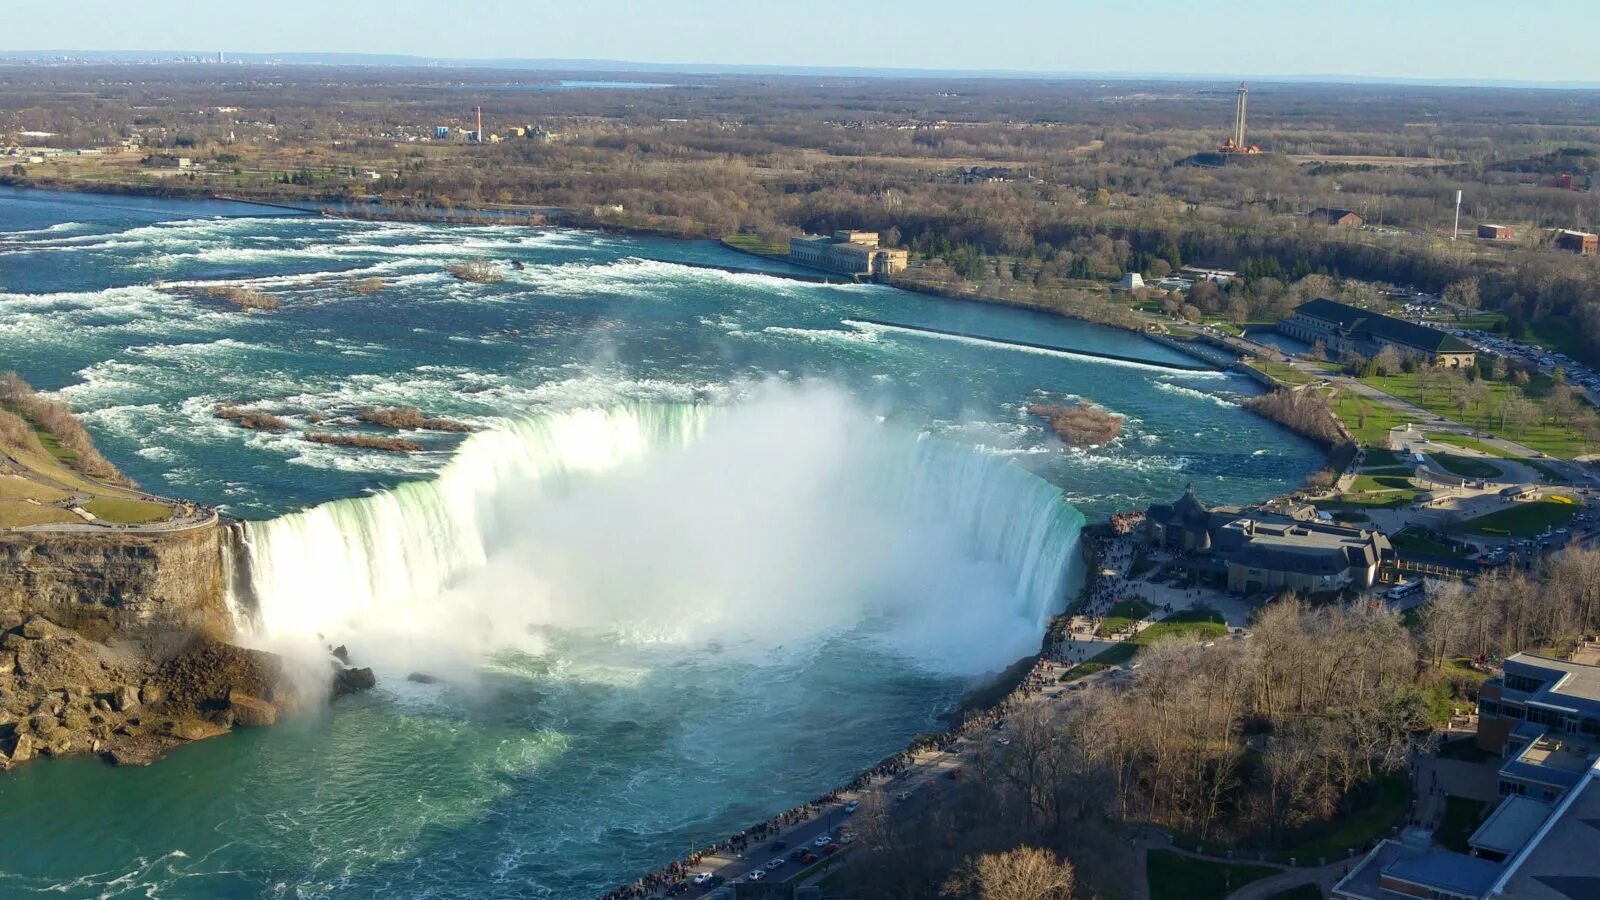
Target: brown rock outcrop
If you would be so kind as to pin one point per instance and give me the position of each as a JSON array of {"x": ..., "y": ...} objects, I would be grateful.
[{"x": 131, "y": 703}]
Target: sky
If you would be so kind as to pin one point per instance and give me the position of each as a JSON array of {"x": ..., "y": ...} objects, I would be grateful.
[{"x": 1545, "y": 41}]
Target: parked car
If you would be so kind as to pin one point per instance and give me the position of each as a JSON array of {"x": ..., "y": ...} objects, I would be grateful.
[
  {"x": 798, "y": 855},
  {"x": 823, "y": 841},
  {"x": 809, "y": 858}
]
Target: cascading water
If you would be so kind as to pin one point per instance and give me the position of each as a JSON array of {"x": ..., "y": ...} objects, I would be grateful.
[{"x": 793, "y": 515}]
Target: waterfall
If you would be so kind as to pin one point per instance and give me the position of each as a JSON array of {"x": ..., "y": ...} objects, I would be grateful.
[{"x": 677, "y": 515}]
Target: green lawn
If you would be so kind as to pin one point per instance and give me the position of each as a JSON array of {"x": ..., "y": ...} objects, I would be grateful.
[
  {"x": 1176, "y": 877},
  {"x": 1380, "y": 457},
  {"x": 1558, "y": 336},
  {"x": 127, "y": 512},
  {"x": 1372, "y": 427},
  {"x": 1407, "y": 539},
  {"x": 1524, "y": 519},
  {"x": 1466, "y": 466},
  {"x": 1122, "y": 615},
  {"x": 1470, "y": 443},
  {"x": 1360, "y": 826},
  {"x": 1462, "y": 816},
  {"x": 752, "y": 243},
  {"x": 1556, "y": 439},
  {"x": 1192, "y": 624},
  {"x": 1387, "y": 481},
  {"x": 1282, "y": 371}
]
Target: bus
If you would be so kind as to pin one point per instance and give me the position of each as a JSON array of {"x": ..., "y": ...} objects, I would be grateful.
[{"x": 1403, "y": 590}]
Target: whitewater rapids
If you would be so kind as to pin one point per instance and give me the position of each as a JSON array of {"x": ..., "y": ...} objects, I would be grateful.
[{"x": 761, "y": 525}]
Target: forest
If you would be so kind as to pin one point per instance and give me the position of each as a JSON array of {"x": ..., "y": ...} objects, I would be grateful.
[{"x": 1042, "y": 189}]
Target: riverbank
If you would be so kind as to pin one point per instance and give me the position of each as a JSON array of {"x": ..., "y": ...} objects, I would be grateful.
[{"x": 980, "y": 709}]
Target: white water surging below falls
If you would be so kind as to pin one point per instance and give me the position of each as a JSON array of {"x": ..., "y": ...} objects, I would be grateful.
[{"x": 761, "y": 526}]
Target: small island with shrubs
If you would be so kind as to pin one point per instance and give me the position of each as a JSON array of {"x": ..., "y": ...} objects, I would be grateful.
[
  {"x": 480, "y": 271},
  {"x": 398, "y": 417},
  {"x": 363, "y": 441},
  {"x": 1082, "y": 425},
  {"x": 241, "y": 297}
]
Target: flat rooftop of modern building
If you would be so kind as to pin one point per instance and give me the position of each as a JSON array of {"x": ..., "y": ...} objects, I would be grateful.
[
  {"x": 1561, "y": 863},
  {"x": 1562, "y": 752},
  {"x": 1512, "y": 823},
  {"x": 1578, "y": 680}
]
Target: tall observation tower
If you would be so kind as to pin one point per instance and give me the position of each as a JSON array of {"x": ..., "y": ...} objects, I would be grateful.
[
  {"x": 1238, "y": 117},
  {"x": 1235, "y": 142}
]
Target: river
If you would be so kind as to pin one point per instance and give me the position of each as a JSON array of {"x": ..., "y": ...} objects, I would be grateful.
[{"x": 716, "y": 542}]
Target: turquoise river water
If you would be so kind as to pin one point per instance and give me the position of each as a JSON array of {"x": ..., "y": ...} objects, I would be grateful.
[{"x": 714, "y": 545}]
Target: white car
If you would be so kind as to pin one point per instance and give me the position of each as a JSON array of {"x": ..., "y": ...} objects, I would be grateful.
[
  {"x": 823, "y": 841},
  {"x": 756, "y": 875},
  {"x": 775, "y": 863},
  {"x": 700, "y": 878},
  {"x": 852, "y": 806}
]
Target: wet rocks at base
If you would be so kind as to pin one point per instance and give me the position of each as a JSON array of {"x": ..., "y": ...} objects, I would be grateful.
[{"x": 62, "y": 693}]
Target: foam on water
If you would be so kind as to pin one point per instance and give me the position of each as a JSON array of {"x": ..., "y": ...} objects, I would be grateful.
[{"x": 852, "y": 494}]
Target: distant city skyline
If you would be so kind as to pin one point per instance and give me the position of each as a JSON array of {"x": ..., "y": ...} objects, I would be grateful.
[{"x": 1442, "y": 40}]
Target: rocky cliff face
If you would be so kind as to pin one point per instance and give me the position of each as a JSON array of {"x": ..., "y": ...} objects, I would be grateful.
[
  {"x": 115, "y": 644},
  {"x": 128, "y": 586}
]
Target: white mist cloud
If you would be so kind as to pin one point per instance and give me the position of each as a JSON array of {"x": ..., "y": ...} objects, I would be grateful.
[{"x": 788, "y": 518}]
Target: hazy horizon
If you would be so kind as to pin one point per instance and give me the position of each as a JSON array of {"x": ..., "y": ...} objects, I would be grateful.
[{"x": 1466, "y": 42}]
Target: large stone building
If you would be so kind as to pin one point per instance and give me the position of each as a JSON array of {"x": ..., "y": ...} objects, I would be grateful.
[
  {"x": 1343, "y": 328},
  {"x": 1542, "y": 718},
  {"x": 1256, "y": 550},
  {"x": 848, "y": 253}
]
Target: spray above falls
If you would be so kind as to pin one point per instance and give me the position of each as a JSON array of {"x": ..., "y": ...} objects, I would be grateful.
[{"x": 755, "y": 527}]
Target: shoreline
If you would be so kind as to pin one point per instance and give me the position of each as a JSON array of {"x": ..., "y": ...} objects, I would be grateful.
[
  {"x": 975, "y": 707},
  {"x": 509, "y": 218}
]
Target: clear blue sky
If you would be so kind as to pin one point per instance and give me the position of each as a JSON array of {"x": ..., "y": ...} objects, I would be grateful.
[{"x": 1534, "y": 40}]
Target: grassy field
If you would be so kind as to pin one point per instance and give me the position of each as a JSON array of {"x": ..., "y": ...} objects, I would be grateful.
[
  {"x": 1176, "y": 877},
  {"x": 752, "y": 243},
  {"x": 1391, "y": 796},
  {"x": 1466, "y": 466},
  {"x": 1462, "y": 816},
  {"x": 1281, "y": 371},
  {"x": 1524, "y": 519},
  {"x": 121, "y": 511},
  {"x": 1557, "y": 439},
  {"x": 1379, "y": 457},
  {"x": 1418, "y": 543},
  {"x": 1122, "y": 615},
  {"x": 1367, "y": 419},
  {"x": 1191, "y": 624},
  {"x": 45, "y": 458},
  {"x": 14, "y": 515},
  {"x": 1470, "y": 443}
]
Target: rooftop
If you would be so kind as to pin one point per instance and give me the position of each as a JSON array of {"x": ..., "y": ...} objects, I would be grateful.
[
  {"x": 1563, "y": 753},
  {"x": 1512, "y": 823},
  {"x": 1560, "y": 861},
  {"x": 1359, "y": 321},
  {"x": 1304, "y": 546}
]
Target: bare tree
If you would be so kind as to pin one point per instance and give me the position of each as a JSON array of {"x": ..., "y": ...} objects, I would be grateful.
[{"x": 1025, "y": 873}]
